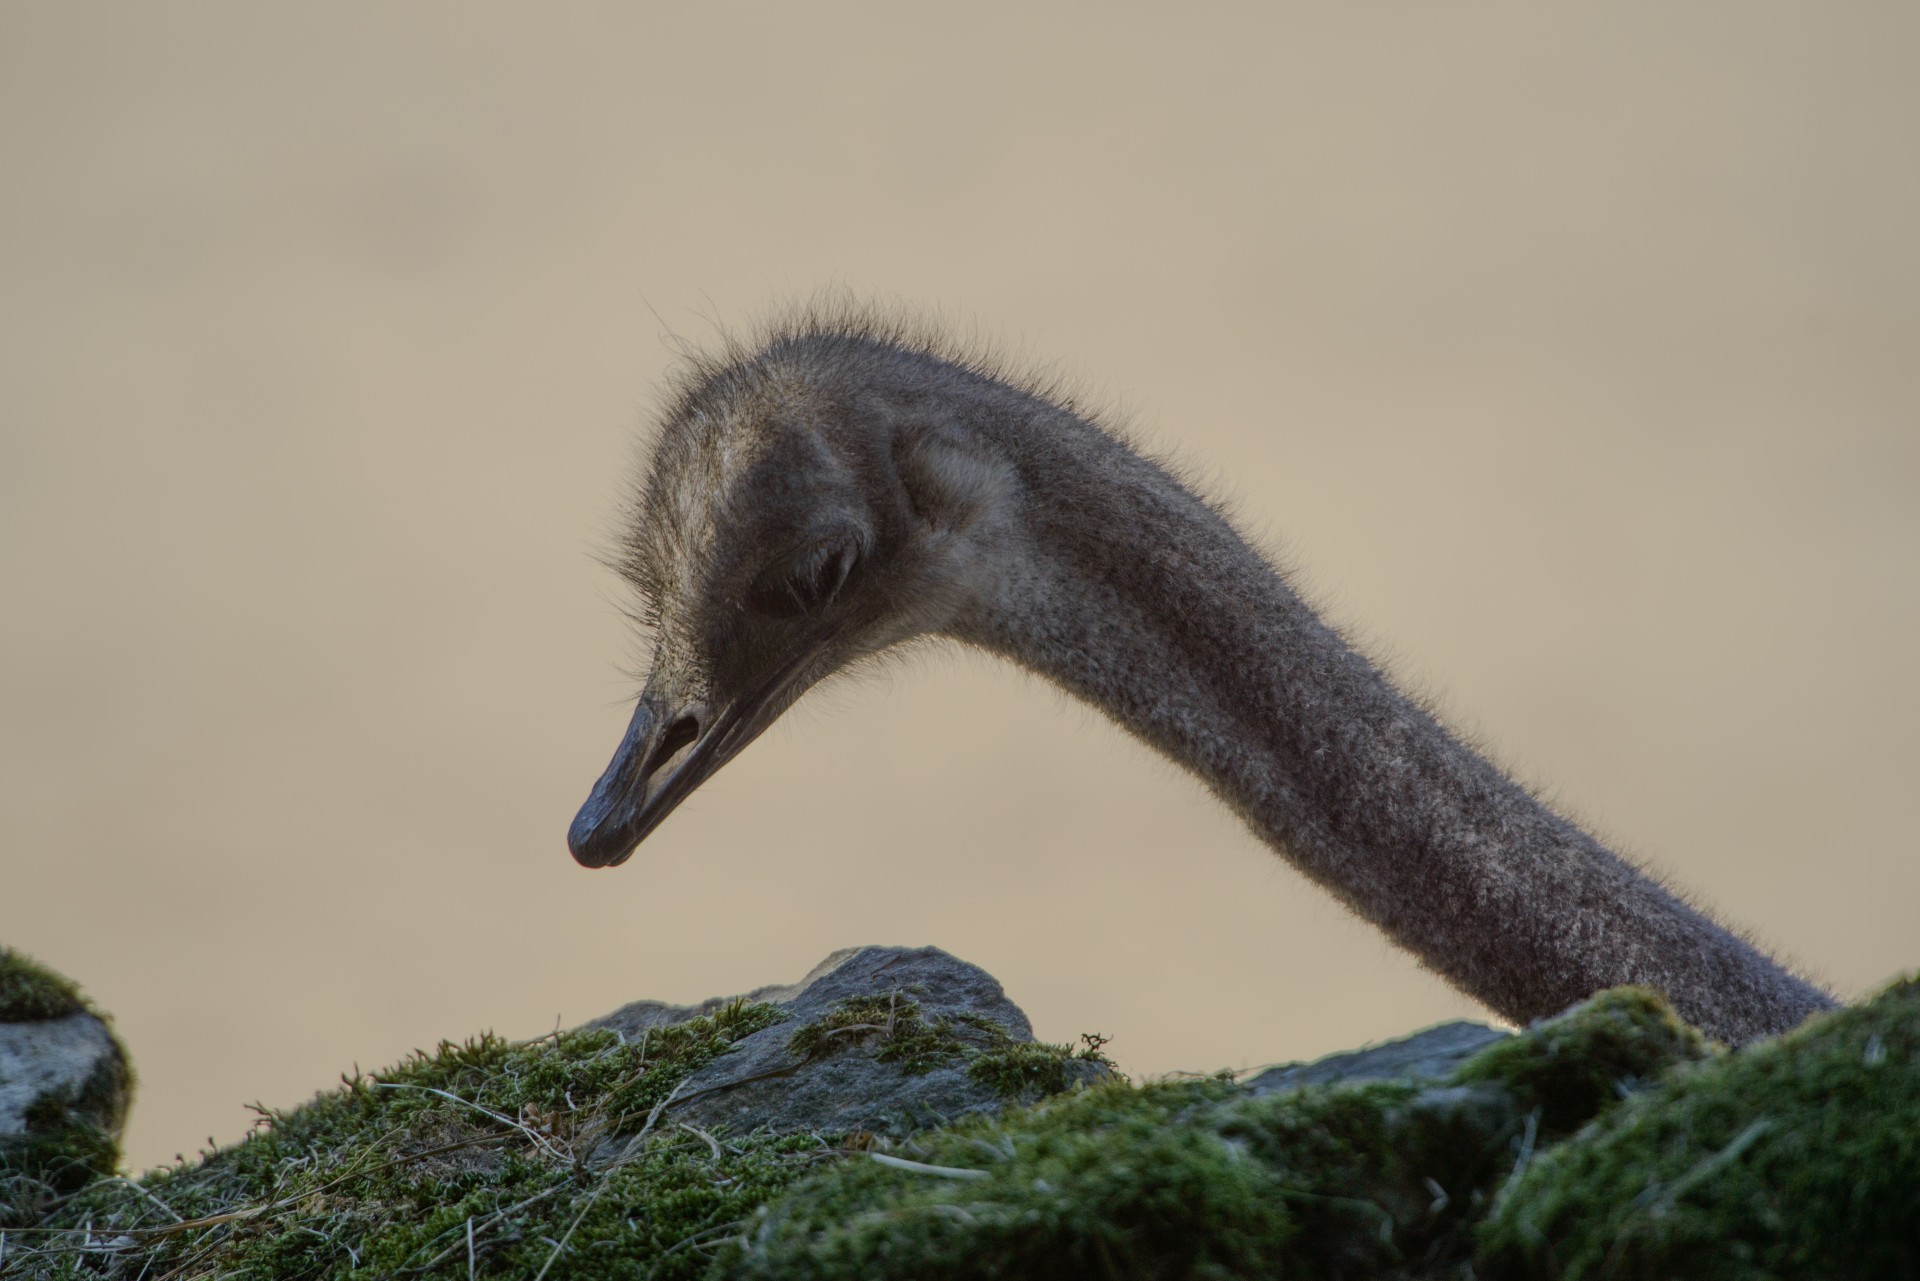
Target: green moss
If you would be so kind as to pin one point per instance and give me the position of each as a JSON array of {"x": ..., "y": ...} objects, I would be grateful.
[
  {"x": 30, "y": 992},
  {"x": 70, "y": 1141},
  {"x": 1384, "y": 1177},
  {"x": 1026, "y": 1070},
  {"x": 1014, "y": 1070},
  {"x": 1575, "y": 1066},
  {"x": 1797, "y": 1157},
  {"x": 528, "y": 1144},
  {"x": 906, "y": 1039},
  {"x": 550, "y": 1075},
  {"x": 1096, "y": 1183},
  {"x": 1019, "y": 1071},
  {"x": 1176, "y": 1179}
]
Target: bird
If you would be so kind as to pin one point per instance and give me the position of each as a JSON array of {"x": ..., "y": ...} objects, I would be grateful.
[{"x": 850, "y": 480}]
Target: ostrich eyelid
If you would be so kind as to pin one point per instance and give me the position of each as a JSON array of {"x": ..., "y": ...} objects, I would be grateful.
[{"x": 806, "y": 582}]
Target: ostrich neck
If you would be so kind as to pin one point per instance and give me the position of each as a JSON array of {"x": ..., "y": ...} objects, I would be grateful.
[{"x": 1135, "y": 596}]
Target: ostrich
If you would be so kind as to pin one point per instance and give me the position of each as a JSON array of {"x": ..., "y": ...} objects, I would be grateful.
[{"x": 852, "y": 482}]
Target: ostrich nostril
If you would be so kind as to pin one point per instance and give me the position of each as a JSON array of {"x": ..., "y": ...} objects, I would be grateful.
[{"x": 683, "y": 731}]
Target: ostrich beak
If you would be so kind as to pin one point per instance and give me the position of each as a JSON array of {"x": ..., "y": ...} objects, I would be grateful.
[
  {"x": 667, "y": 751},
  {"x": 671, "y": 747}
]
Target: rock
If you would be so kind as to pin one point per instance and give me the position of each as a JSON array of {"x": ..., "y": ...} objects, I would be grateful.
[
  {"x": 876, "y": 1039},
  {"x": 64, "y": 1088},
  {"x": 1434, "y": 1053},
  {"x": 52, "y": 1060}
]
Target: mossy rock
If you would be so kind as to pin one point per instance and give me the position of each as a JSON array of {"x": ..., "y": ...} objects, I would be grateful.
[
  {"x": 581, "y": 1155},
  {"x": 1197, "y": 1179},
  {"x": 484, "y": 1151},
  {"x": 1798, "y": 1157},
  {"x": 65, "y": 1086},
  {"x": 888, "y": 1041},
  {"x": 569, "y": 1156}
]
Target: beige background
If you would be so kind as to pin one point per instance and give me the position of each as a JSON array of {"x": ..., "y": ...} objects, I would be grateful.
[{"x": 1572, "y": 355}]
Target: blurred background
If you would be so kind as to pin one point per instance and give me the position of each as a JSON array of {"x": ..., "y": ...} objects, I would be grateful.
[{"x": 1573, "y": 357}]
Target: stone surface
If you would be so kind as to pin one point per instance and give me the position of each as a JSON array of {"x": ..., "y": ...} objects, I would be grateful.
[
  {"x": 48, "y": 1059},
  {"x": 765, "y": 1084},
  {"x": 1433, "y": 1053}
]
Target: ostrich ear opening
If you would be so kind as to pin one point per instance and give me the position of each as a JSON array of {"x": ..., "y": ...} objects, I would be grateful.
[{"x": 951, "y": 483}]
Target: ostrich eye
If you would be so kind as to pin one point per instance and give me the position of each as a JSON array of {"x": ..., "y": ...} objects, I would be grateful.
[{"x": 809, "y": 583}]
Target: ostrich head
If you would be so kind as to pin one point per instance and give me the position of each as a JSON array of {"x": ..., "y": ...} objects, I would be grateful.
[{"x": 806, "y": 506}]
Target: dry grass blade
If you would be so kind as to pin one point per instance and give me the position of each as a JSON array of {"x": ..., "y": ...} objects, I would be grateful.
[
  {"x": 921, "y": 1167},
  {"x": 712, "y": 1142}
]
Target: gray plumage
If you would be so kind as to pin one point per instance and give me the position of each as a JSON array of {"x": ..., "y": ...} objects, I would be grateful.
[{"x": 850, "y": 483}]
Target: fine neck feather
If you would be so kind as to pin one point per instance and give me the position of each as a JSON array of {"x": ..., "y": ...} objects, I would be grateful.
[{"x": 1137, "y": 597}]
